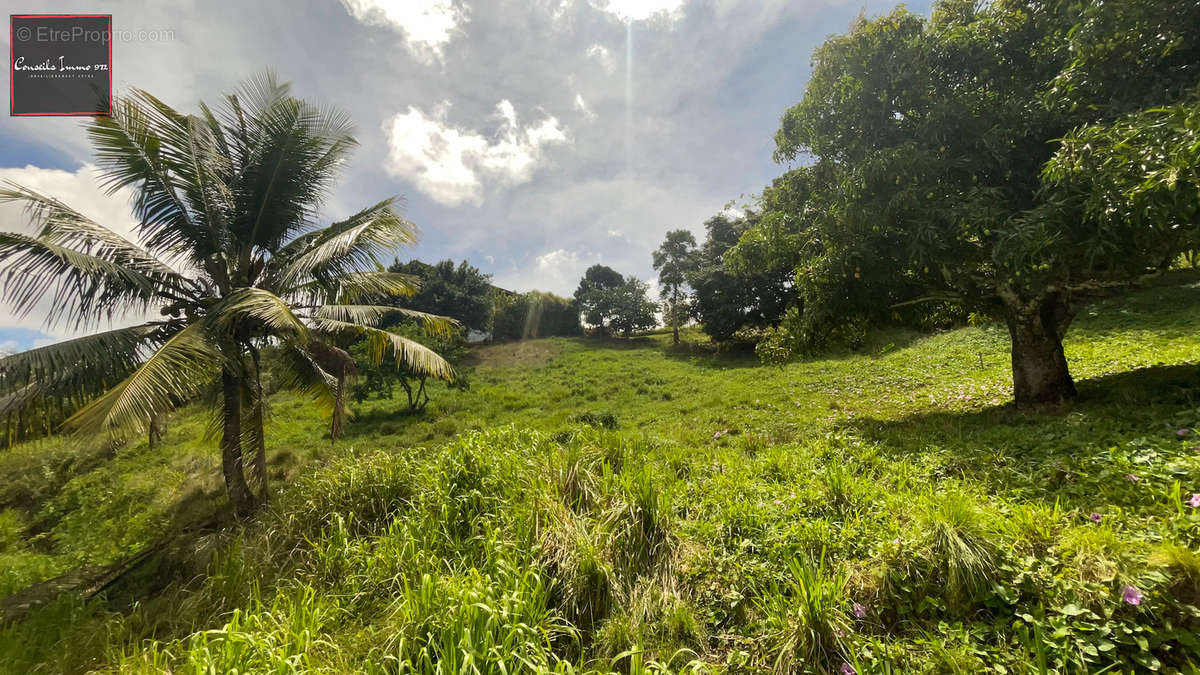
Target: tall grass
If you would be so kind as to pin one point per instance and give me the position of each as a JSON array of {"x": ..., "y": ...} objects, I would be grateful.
[
  {"x": 732, "y": 526},
  {"x": 806, "y": 618}
]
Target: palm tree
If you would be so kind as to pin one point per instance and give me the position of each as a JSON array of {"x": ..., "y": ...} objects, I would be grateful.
[{"x": 229, "y": 255}]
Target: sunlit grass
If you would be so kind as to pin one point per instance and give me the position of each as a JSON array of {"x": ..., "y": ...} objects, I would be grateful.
[{"x": 626, "y": 505}]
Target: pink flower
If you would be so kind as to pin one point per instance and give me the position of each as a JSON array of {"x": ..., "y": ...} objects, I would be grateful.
[
  {"x": 1132, "y": 478},
  {"x": 1183, "y": 433},
  {"x": 896, "y": 541},
  {"x": 1095, "y": 517},
  {"x": 1132, "y": 596},
  {"x": 860, "y": 612},
  {"x": 1194, "y": 502},
  {"x": 778, "y": 502},
  {"x": 848, "y": 669}
]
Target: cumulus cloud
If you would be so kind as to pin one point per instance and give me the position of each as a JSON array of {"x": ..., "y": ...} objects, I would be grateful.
[
  {"x": 451, "y": 164},
  {"x": 640, "y": 10},
  {"x": 603, "y": 56},
  {"x": 427, "y": 25},
  {"x": 78, "y": 189},
  {"x": 582, "y": 106},
  {"x": 557, "y": 271}
]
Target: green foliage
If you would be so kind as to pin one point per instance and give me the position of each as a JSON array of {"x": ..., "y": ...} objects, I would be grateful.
[
  {"x": 731, "y": 296},
  {"x": 807, "y": 622},
  {"x": 609, "y": 300},
  {"x": 1138, "y": 176},
  {"x": 533, "y": 315},
  {"x": 940, "y": 174},
  {"x": 675, "y": 261},
  {"x": 460, "y": 292},
  {"x": 631, "y": 308},
  {"x": 595, "y": 293}
]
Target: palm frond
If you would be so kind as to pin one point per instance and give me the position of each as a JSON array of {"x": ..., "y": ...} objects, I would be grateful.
[
  {"x": 141, "y": 146},
  {"x": 342, "y": 248},
  {"x": 355, "y": 288},
  {"x": 299, "y": 371},
  {"x": 258, "y": 306},
  {"x": 193, "y": 148},
  {"x": 287, "y": 153},
  {"x": 60, "y": 377},
  {"x": 114, "y": 350},
  {"x": 60, "y": 224},
  {"x": 408, "y": 353},
  {"x": 184, "y": 365},
  {"x": 371, "y": 315},
  {"x": 84, "y": 287}
]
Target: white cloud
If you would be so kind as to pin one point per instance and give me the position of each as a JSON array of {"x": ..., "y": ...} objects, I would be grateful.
[
  {"x": 603, "y": 55},
  {"x": 451, "y": 164},
  {"x": 555, "y": 260},
  {"x": 640, "y": 10},
  {"x": 557, "y": 271},
  {"x": 582, "y": 106},
  {"x": 427, "y": 25}
]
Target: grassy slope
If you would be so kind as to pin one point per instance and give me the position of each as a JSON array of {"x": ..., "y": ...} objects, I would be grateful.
[{"x": 959, "y": 525}]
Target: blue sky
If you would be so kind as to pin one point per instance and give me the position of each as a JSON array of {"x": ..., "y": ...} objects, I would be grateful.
[{"x": 521, "y": 136}]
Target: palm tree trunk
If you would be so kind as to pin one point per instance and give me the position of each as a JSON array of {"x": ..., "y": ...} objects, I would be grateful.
[
  {"x": 258, "y": 434},
  {"x": 338, "y": 420},
  {"x": 231, "y": 445}
]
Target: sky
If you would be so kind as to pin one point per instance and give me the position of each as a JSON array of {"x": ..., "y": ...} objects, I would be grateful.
[{"x": 532, "y": 138}]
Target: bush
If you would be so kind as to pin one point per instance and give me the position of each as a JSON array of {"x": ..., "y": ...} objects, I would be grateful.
[
  {"x": 380, "y": 380},
  {"x": 600, "y": 420}
]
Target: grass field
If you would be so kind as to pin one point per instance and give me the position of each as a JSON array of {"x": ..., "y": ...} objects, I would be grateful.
[{"x": 626, "y": 505}]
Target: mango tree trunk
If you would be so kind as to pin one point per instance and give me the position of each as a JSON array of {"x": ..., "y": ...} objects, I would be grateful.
[
  {"x": 231, "y": 445},
  {"x": 1039, "y": 366}
]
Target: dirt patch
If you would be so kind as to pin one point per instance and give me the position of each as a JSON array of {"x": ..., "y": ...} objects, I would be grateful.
[{"x": 524, "y": 354}]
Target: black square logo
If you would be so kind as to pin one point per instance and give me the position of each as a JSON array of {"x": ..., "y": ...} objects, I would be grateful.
[{"x": 60, "y": 64}]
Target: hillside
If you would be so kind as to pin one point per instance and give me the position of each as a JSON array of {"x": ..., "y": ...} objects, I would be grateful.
[{"x": 625, "y": 505}]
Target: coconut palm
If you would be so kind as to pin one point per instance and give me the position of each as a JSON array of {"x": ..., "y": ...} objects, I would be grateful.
[{"x": 230, "y": 256}]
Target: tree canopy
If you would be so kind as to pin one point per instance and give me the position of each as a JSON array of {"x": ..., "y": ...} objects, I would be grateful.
[
  {"x": 675, "y": 261},
  {"x": 460, "y": 292},
  {"x": 946, "y": 177},
  {"x": 609, "y": 300},
  {"x": 729, "y": 297}
]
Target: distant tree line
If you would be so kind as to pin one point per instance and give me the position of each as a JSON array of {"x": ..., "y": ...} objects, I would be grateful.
[{"x": 532, "y": 315}]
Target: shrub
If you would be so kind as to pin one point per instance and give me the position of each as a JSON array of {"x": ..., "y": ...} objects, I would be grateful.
[{"x": 600, "y": 420}]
